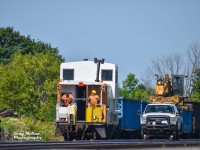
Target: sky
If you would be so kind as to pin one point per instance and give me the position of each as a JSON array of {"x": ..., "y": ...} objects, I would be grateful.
[{"x": 129, "y": 33}]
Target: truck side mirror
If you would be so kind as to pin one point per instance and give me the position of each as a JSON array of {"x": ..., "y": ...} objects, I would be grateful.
[{"x": 138, "y": 112}]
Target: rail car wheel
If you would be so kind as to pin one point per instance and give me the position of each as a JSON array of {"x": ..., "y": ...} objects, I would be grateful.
[
  {"x": 69, "y": 136},
  {"x": 66, "y": 137},
  {"x": 94, "y": 135}
]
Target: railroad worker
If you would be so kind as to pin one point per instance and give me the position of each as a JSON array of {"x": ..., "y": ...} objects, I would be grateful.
[
  {"x": 94, "y": 98},
  {"x": 67, "y": 99}
]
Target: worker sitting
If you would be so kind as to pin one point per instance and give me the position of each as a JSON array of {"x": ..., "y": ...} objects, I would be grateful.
[{"x": 66, "y": 99}]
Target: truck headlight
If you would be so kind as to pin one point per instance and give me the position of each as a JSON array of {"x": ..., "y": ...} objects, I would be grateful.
[
  {"x": 143, "y": 120},
  {"x": 172, "y": 120}
]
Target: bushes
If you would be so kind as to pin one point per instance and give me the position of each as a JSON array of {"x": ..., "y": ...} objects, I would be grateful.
[
  {"x": 29, "y": 73},
  {"x": 45, "y": 129}
]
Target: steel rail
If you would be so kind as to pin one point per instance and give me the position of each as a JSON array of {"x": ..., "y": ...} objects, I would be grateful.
[{"x": 111, "y": 144}]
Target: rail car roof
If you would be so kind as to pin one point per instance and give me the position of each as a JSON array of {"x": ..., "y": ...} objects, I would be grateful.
[{"x": 83, "y": 82}]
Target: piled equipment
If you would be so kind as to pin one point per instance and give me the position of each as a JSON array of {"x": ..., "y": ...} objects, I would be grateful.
[
  {"x": 164, "y": 115},
  {"x": 170, "y": 91}
]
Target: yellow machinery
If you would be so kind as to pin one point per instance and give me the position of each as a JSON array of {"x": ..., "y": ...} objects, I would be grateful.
[
  {"x": 93, "y": 114},
  {"x": 170, "y": 90}
]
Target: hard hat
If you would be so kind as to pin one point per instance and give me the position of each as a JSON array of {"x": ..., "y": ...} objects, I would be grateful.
[{"x": 93, "y": 91}]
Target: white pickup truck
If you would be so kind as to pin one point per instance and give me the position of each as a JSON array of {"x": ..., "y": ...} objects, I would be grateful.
[{"x": 160, "y": 119}]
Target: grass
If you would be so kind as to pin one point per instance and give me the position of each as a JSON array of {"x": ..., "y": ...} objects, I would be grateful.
[{"x": 13, "y": 126}]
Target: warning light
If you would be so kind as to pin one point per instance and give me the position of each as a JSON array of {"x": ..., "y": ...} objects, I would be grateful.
[{"x": 80, "y": 84}]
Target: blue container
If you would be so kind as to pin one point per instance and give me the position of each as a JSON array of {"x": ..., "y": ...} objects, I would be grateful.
[
  {"x": 128, "y": 118},
  {"x": 186, "y": 125}
]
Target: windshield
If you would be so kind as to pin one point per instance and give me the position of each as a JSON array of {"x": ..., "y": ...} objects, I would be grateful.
[{"x": 160, "y": 109}]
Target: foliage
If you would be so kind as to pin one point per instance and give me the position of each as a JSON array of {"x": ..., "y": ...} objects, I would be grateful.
[
  {"x": 178, "y": 64},
  {"x": 193, "y": 72},
  {"x": 195, "y": 96},
  {"x": 28, "y": 84},
  {"x": 12, "y": 125},
  {"x": 12, "y": 42},
  {"x": 196, "y": 86},
  {"x": 45, "y": 129},
  {"x": 29, "y": 72},
  {"x": 132, "y": 89}
]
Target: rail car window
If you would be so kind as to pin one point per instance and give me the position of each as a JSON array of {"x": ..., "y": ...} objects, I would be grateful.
[
  {"x": 106, "y": 75},
  {"x": 68, "y": 74}
]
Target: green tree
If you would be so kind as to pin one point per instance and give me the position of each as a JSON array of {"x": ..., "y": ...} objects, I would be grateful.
[
  {"x": 28, "y": 84},
  {"x": 132, "y": 89},
  {"x": 29, "y": 71},
  {"x": 12, "y": 42},
  {"x": 196, "y": 86}
]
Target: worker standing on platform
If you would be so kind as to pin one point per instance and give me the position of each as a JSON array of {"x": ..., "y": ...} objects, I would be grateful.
[{"x": 94, "y": 98}]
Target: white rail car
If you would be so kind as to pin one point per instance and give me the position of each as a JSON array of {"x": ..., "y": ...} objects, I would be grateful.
[{"x": 80, "y": 120}]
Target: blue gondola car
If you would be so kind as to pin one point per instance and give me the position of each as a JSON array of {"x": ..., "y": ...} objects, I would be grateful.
[
  {"x": 195, "y": 118},
  {"x": 186, "y": 125},
  {"x": 129, "y": 120}
]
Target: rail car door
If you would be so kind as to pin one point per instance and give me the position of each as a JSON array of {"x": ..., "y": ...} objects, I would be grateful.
[{"x": 81, "y": 103}]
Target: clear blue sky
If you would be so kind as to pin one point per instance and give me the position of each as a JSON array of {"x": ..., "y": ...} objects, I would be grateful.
[{"x": 126, "y": 32}]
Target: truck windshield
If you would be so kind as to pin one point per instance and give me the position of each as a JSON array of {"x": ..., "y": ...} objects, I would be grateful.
[{"x": 160, "y": 109}]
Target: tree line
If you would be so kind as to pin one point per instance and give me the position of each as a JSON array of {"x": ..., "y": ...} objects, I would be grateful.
[
  {"x": 29, "y": 71},
  {"x": 187, "y": 64}
]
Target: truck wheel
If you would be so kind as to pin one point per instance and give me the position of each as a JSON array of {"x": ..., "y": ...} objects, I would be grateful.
[
  {"x": 175, "y": 136},
  {"x": 144, "y": 135},
  {"x": 171, "y": 137}
]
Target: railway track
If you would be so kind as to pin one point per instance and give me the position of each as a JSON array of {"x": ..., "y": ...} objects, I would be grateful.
[{"x": 105, "y": 144}]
